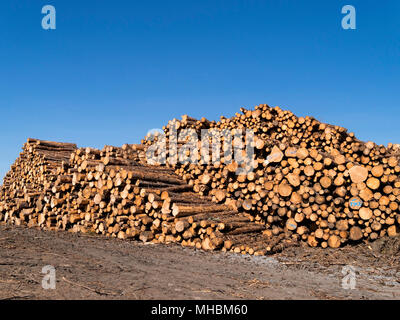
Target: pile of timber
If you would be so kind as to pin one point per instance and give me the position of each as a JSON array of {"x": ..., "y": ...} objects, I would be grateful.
[
  {"x": 39, "y": 167},
  {"x": 114, "y": 192},
  {"x": 306, "y": 181},
  {"x": 310, "y": 180}
]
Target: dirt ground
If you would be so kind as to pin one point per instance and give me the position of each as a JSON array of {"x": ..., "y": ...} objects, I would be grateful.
[{"x": 90, "y": 267}]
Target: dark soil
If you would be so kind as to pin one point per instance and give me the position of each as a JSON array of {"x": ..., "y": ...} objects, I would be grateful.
[{"x": 91, "y": 267}]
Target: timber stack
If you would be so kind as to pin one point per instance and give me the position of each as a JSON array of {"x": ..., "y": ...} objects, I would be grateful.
[
  {"x": 308, "y": 179},
  {"x": 305, "y": 182},
  {"x": 114, "y": 192}
]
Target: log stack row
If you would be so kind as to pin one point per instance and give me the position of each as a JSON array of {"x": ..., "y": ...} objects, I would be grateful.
[
  {"x": 39, "y": 167},
  {"x": 309, "y": 179},
  {"x": 114, "y": 192}
]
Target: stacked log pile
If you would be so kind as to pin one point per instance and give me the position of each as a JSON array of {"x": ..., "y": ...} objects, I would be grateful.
[
  {"x": 39, "y": 167},
  {"x": 306, "y": 181},
  {"x": 114, "y": 192},
  {"x": 311, "y": 180}
]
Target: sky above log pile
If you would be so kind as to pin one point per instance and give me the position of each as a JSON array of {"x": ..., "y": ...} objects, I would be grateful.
[{"x": 112, "y": 70}]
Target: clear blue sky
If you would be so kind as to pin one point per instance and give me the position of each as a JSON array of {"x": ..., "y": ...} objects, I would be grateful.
[{"x": 112, "y": 70}]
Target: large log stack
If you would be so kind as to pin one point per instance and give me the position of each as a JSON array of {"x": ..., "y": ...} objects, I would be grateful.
[
  {"x": 39, "y": 167},
  {"x": 319, "y": 182},
  {"x": 114, "y": 192},
  {"x": 306, "y": 181}
]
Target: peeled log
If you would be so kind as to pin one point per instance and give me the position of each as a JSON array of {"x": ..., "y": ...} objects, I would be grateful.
[
  {"x": 293, "y": 179},
  {"x": 302, "y": 153},
  {"x": 334, "y": 241},
  {"x": 365, "y": 213},
  {"x": 291, "y": 152},
  {"x": 393, "y": 162},
  {"x": 180, "y": 226},
  {"x": 326, "y": 182},
  {"x": 146, "y": 236},
  {"x": 377, "y": 171},
  {"x": 312, "y": 242},
  {"x": 182, "y": 211},
  {"x": 373, "y": 183},
  {"x": 246, "y": 205},
  {"x": 285, "y": 190},
  {"x": 309, "y": 171},
  {"x": 291, "y": 224},
  {"x": 220, "y": 195},
  {"x": 340, "y": 159},
  {"x": 355, "y": 233},
  {"x": 366, "y": 194},
  {"x": 358, "y": 174},
  {"x": 207, "y": 245},
  {"x": 342, "y": 225},
  {"x": 276, "y": 155},
  {"x": 392, "y": 231}
]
